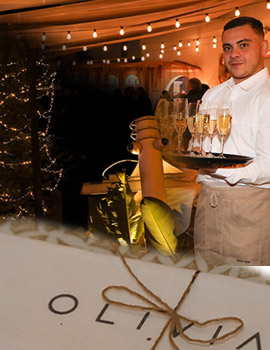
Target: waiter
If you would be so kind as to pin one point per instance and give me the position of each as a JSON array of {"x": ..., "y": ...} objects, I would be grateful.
[{"x": 232, "y": 223}]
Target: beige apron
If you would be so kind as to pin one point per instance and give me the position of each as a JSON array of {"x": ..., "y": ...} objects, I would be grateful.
[{"x": 232, "y": 225}]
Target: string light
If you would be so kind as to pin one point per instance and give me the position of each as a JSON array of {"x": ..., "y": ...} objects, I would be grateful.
[
  {"x": 188, "y": 44},
  {"x": 85, "y": 48},
  {"x": 197, "y": 49},
  {"x": 147, "y": 54},
  {"x": 94, "y": 33},
  {"x": 268, "y": 5},
  {"x": 125, "y": 60},
  {"x": 177, "y": 23},
  {"x": 122, "y": 32},
  {"x": 43, "y": 37},
  {"x": 18, "y": 200},
  {"x": 214, "y": 40},
  {"x": 142, "y": 58},
  {"x": 237, "y": 12},
  {"x": 197, "y": 42},
  {"x": 133, "y": 58},
  {"x": 125, "y": 48},
  {"x": 162, "y": 51},
  {"x": 143, "y": 47},
  {"x": 180, "y": 43},
  {"x": 149, "y": 28},
  {"x": 175, "y": 47},
  {"x": 162, "y": 46},
  {"x": 207, "y": 18},
  {"x": 64, "y": 47},
  {"x": 105, "y": 48},
  {"x": 178, "y": 52},
  {"x": 160, "y": 55},
  {"x": 68, "y": 36}
]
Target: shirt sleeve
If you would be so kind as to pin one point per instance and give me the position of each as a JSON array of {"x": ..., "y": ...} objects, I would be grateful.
[{"x": 258, "y": 171}]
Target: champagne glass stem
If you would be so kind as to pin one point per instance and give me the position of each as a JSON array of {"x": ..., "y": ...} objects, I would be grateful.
[
  {"x": 222, "y": 147},
  {"x": 210, "y": 154},
  {"x": 201, "y": 141},
  {"x": 192, "y": 145},
  {"x": 179, "y": 144}
]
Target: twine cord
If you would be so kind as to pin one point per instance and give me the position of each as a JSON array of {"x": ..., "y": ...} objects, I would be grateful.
[{"x": 173, "y": 322}]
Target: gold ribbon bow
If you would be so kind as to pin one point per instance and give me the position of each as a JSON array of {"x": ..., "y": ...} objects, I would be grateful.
[{"x": 174, "y": 318}]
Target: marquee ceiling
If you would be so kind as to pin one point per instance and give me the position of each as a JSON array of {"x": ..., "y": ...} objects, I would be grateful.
[{"x": 31, "y": 18}]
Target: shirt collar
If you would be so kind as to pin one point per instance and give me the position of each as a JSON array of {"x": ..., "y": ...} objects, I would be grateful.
[{"x": 250, "y": 82}]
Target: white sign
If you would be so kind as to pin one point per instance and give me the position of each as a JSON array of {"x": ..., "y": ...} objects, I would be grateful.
[{"x": 50, "y": 298}]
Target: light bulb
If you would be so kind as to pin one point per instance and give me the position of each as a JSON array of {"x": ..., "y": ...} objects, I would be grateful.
[
  {"x": 178, "y": 52},
  {"x": 68, "y": 36},
  {"x": 64, "y": 47},
  {"x": 43, "y": 37},
  {"x": 105, "y": 48},
  {"x": 122, "y": 32},
  {"x": 143, "y": 58},
  {"x": 125, "y": 48},
  {"x": 162, "y": 45},
  {"x": 147, "y": 54},
  {"x": 207, "y": 18},
  {"x": 133, "y": 58},
  {"x": 197, "y": 42},
  {"x": 118, "y": 60},
  {"x": 161, "y": 51},
  {"x": 94, "y": 33},
  {"x": 197, "y": 49},
  {"x": 125, "y": 60},
  {"x": 177, "y": 23},
  {"x": 149, "y": 28},
  {"x": 214, "y": 40},
  {"x": 188, "y": 44},
  {"x": 175, "y": 48},
  {"x": 214, "y": 45},
  {"x": 85, "y": 48},
  {"x": 143, "y": 47},
  {"x": 160, "y": 55},
  {"x": 237, "y": 12},
  {"x": 268, "y": 5},
  {"x": 42, "y": 46},
  {"x": 180, "y": 43}
]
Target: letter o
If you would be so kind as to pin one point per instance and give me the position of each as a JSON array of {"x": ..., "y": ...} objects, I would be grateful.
[{"x": 52, "y": 309}]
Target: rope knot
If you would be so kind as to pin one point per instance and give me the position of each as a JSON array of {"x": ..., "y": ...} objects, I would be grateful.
[{"x": 174, "y": 317}]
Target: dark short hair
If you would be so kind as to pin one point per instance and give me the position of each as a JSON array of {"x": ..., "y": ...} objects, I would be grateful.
[
  {"x": 195, "y": 83},
  {"x": 254, "y": 23}
]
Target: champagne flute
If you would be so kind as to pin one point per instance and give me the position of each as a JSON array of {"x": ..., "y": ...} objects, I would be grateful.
[
  {"x": 211, "y": 125},
  {"x": 224, "y": 119},
  {"x": 191, "y": 122},
  {"x": 180, "y": 119},
  {"x": 201, "y": 123}
]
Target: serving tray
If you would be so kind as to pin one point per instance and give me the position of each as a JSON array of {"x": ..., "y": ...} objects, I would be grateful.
[{"x": 196, "y": 161}]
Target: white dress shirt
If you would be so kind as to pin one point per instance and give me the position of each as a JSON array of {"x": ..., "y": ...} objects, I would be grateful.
[{"x": 250, "y": 131}]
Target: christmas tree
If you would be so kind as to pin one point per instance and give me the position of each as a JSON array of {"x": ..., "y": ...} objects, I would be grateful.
[{"x": 28, "y": 172}]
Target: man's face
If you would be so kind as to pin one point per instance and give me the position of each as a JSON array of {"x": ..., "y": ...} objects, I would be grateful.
[{"x": 243, "y": 52}]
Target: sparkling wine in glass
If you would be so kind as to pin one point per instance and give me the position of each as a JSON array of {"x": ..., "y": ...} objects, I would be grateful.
[
  {"x": 180, "y": 119},
  {"x": 191, "y": 122},
  {"x": 202, "y": 118},
  {"x": 211, "y": 125},
  {"x": 224, "y": 120}
]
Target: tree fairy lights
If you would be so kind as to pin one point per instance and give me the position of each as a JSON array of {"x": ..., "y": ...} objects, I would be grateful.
[{"x": 16, "y": 188}]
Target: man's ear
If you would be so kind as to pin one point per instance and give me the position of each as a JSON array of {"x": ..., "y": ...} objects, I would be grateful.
[{"x": 264, "y": 47}]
